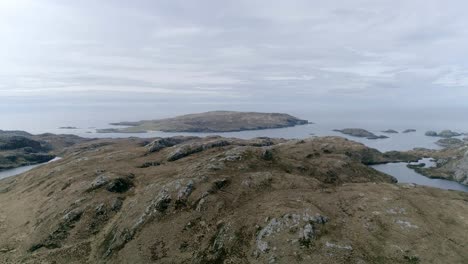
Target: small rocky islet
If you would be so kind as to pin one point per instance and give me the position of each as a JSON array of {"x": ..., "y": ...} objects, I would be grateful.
[
  {"x": 359, "y": 132},
  {"x": 443, "y": 134},
  {"x": 409, "y": 131},
  {"x": 390, "y": 131}
]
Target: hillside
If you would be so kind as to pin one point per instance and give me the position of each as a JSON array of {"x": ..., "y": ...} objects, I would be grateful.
[
  {"x": 19, "y": 148},
  {"x": 222, "y": 200},
  {"x": 216, "y": 121}
]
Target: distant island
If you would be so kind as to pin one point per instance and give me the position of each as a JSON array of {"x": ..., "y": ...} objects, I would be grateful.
[
  {"x": 390, "y": 131},
  {"x": 359, "y": 132},
  {"x": 215, "y": 121},
  {"x": 443, "y": 134}
]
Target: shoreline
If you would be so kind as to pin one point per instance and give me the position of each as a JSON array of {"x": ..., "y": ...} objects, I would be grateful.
[{"x": 4, "y": 174}]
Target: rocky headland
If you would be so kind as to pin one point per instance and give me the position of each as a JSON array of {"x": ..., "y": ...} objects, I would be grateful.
[
  {"x": 451, "y": 161},
  {"x": 227, "y": 200},
  {"x": 216, "y": 121}
]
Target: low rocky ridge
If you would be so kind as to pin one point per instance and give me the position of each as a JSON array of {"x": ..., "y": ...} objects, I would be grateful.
[
  {"x": 19, "y": 148},
  {"x": 226, "y": 200},
  {"x": 359, "y": 132},
  {"x": 216, "y": 121}
]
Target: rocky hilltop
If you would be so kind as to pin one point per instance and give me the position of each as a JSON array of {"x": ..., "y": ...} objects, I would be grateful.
[
  {"x": 225, "y": 200},
  {"x": 19, "y": 148},
  {"x": 216, "y": 121}
]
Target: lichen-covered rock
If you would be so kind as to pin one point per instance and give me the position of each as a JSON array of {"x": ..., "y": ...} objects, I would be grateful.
[
  {"x": 184, "y": 193},
  {"x": 116, "y": 204},
  {"x": 72, "y": 216},
  {"x": 162, "y": 143},
  {"x": 100, "y": 181},
  {"x": 300, "y": 228},
  {"x": 119, "y": 185},
  {"x": 189, "y": 149}
]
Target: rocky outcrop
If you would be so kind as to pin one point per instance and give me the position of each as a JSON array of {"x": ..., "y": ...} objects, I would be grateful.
[
  {"x": 359, "y": 132},
  {"x": 409, "y": 131},
  {"x": 189, "y": 149},
  {"x": 449, "y": 142},
  {"x": 300, "y": 229},
  {"x": 162, "y": 143},
  {"x": 460, "y": 168}
]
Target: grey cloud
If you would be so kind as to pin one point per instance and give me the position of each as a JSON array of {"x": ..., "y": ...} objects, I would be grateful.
[{"x": 250, "y": 50}]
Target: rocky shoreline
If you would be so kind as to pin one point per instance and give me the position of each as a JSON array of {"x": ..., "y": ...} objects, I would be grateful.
[{"x": 451, "y": 161}]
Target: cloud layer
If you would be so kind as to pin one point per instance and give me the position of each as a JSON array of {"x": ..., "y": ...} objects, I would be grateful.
[{"x": 390, "y": 51}]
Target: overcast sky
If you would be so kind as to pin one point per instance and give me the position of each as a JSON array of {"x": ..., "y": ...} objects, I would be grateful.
[{"x": 383, "y": 52}]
